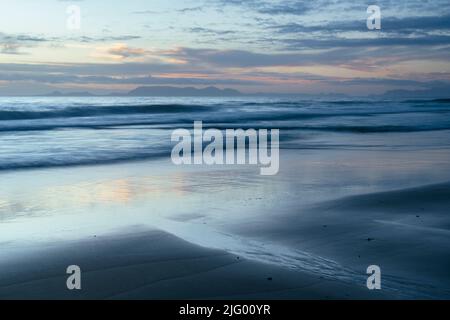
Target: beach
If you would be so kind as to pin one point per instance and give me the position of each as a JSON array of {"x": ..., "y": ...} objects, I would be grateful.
[
  {"x": 161, "y": 240},
  {"x": 148, "y": 264},
  {"x": 140, "y": 227}
]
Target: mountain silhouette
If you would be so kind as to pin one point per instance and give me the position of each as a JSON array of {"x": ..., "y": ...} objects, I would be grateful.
[{"x": 167, "y": 91}]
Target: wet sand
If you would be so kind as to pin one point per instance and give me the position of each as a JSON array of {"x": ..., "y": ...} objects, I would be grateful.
[
  {"x": 150, "y": 264},
  {"x": 151, "y": 230},
  {"x": 406, "y": 232}
]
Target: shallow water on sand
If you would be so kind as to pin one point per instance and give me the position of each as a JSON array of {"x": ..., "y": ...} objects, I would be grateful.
[{"x": 203, "y": 205}]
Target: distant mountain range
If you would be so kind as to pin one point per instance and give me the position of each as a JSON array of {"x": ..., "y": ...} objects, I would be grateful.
[
  {"x": 161, "y": 91},
  {"x": 182, "y": 92},
  {"x": 169, "y": 91},
  {"x": 69, "y": 94},
  {"x": 433, "y": 93}
]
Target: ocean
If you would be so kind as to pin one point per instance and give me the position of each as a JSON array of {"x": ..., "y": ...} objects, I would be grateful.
[{"x": 47, "y": 132}]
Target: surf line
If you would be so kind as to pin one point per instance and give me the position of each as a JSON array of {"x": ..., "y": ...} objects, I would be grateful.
[{"x": 235, "y": 147}]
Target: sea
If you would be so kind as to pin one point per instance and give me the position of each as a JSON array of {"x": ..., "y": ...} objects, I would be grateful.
[{"x": 44, "y": 132}]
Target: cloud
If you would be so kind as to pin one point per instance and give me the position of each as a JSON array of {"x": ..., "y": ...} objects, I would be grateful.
[
  {"x": 123, "y": 51},
  {"x": 125, "y": 76},
  {"x": 325, "y": 8},
  {"x": 297, "y": 8},
  {"x": 437, "y": 40},
  {"x": 191, "y": 9},
  {"x": 87, "y": 39},
  {"x": 116, "y": 69},
  {"x": 145, "y": 12},
  {"x": 13, "y": 44},
  {"x": 248, "y": 59},
  {"x": 123, "y": 73},
  {"x": 119, "y": 51},
  {"x": 270, "y": 7},
  {"x": 394, "y": 25},
  {"x": 213, "y": 32},
  {"x": 10, "y": 48}
]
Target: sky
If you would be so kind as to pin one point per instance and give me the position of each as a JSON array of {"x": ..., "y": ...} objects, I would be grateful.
[{"x": 282, "y": 46}]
